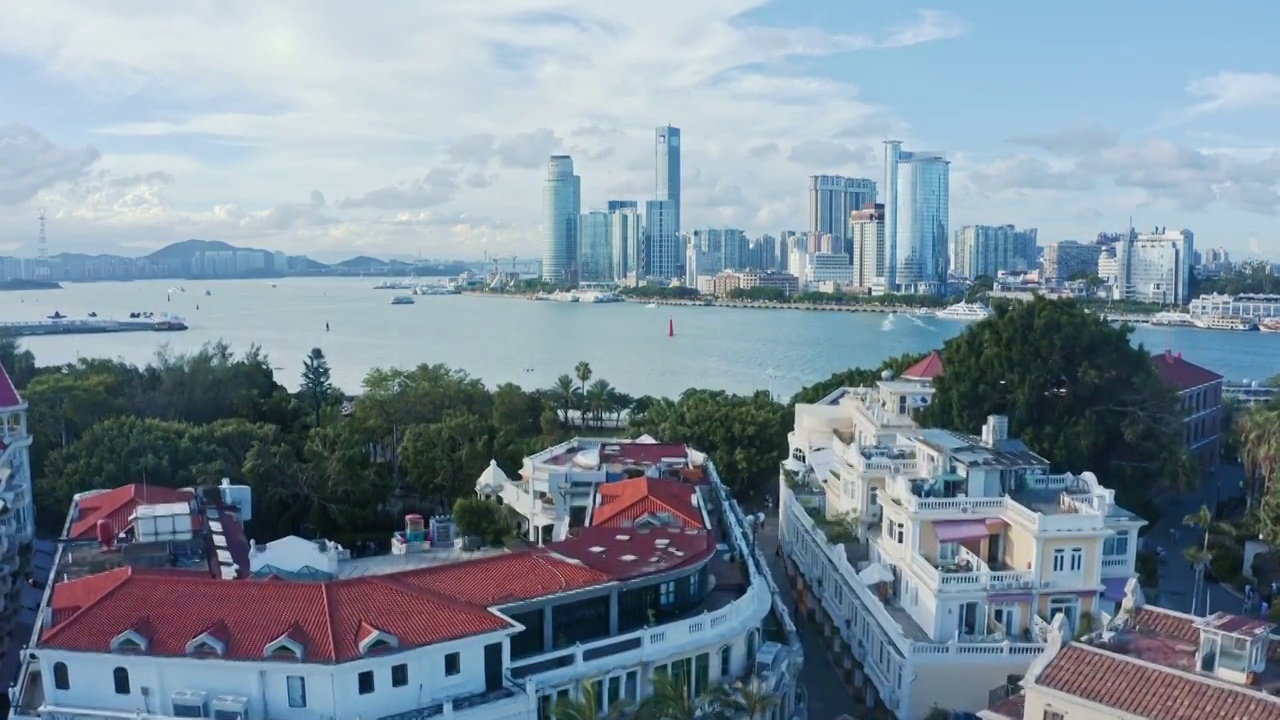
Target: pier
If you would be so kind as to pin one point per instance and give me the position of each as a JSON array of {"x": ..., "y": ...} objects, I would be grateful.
[{"x": 89, "y": 326}]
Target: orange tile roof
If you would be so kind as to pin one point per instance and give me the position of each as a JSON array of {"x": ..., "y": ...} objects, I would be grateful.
[
  {"x": 179, "y": 606},
  {"x": 624, "y": 502},
  {"x": 506, "y": 578},
  {"x": 117, "y": 505},
  {"x": 1150, "y": 691},
  {"x": 927, "y": 369}
]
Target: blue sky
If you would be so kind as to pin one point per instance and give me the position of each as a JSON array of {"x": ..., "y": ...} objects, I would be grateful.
[{"x": 424, "y": 127}]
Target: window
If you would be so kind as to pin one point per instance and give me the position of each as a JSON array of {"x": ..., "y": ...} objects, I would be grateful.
[
  {"x": 726, "y": 661},
  {"x": 1077, "y": 560},
  {"x": 1116, "y": 546},
  {"x": 614, "y": 693},
  {"x": 364, "y": 682},
  {"x": 1059, "y": 560},
  {"x": 121, "y": 677},
  {"x": 61, "y": 680},
  {"x": 948, "y": 551},
  {"x": 296, "y": 685},
  {"x": 666, "y": 593},
  {"x": 400, "y": 675},
  {"x": 631, "y": 691},
  {"x": 452, "y": 664},
  {"x": 693, "y": 584}
]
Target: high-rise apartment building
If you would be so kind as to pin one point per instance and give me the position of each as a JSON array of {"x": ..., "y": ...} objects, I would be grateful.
[
  {"x": 1151, "y": 267},
  {"x": 762, "y": 253},
  {"x": 989, "y": 250},
  {"x": 870, "y": 253},
  {"x": 595, "y": 247},
  {"x": 1215, "y": 258},
  {"x": 660, "y": 252},
  {"x": 831, "y": 199},
  {"x": 625, "y": 229},
  {"x": 561, "y": 205},
  {"x": 712, "y": 250},
  {"x": 667, "y": 165},
  {"x": 917, "y": 201},
  {"x": 1065, "y": 258}
]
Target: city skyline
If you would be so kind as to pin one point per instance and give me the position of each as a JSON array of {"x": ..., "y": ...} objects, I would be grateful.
[{"x": 326, "y": 135}]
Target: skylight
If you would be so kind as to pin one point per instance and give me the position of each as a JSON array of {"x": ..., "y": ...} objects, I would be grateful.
[
  {"x": 623, "y": 537},
  {"x": 595, "y": 549},
  {"x": 628, "y": 558}
]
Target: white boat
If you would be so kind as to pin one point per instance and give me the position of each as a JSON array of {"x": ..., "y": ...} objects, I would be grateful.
[
  {"x": 1270, "y": 325},
  {"x": 402, "y": 300},
  {"x": 432, "y": 290},
  {"x": 965, "y": 312},
  {"x": 1225, "y": 322},
  {"x": 559, "y": 296},
  {"x": 1173, "y": 319},
  {"x": 652, "y": 305}
]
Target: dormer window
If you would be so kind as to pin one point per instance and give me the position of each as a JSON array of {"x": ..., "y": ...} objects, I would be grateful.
[
  {"x": 374, "y": 641},
  {"x": 129, "y": 641},
  {"x": 283, "y": 648},
  {"x": 205, "y": 645}
]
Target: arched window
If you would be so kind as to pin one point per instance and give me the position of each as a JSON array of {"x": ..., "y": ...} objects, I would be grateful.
[
  {"x": 726, "y": 661},
  {"x": 61, "y": 680},
  {"x": 752, "y": 639},
  {"x": 121, "y": 676}
]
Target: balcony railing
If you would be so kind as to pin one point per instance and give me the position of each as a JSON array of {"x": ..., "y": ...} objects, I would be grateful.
[
  {"x": 981, "y": 578},
  {"x": 462, "y": 704}
]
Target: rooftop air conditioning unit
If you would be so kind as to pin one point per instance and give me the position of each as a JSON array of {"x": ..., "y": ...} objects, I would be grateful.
[
  {"x": 230, "y": 707},
  {"x": 190, "y": 704}
]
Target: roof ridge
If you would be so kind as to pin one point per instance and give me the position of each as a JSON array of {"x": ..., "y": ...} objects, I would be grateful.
[
  {"x": 125, "y": 573},
  {"x": 329, "y": 619},
  {"x": 1198, "y": 677}
]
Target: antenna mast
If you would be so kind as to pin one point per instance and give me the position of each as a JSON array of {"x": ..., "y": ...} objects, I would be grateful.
[{"x": 43, "y": 271}]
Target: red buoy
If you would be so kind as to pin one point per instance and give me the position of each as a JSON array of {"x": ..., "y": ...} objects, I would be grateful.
[{"x": 671, "y": 327}]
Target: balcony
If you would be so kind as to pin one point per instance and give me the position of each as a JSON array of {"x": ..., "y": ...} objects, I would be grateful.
[
  {"x": 877, "y": 461},
  {"x": 515, "y": 701},
  {"x": 968, "y": 573}
]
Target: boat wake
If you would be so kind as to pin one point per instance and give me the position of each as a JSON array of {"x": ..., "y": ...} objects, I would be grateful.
[
  {"x": 920, "y": 322},
  {"x": 888, "y": 323}
]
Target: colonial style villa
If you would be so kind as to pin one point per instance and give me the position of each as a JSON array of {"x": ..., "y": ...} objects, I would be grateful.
[
  {"x": 17, "y": 519},
  {"x": 1149, "y": 663},
  {"x": 936, "y": 560},
  {"x": 165, "y": 610}
]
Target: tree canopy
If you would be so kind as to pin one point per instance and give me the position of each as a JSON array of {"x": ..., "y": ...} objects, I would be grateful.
[{"x": 1075, "y": 390}]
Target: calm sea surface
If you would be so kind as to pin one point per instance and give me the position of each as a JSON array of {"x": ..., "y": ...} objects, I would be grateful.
[{"x": 531, "y": 343}]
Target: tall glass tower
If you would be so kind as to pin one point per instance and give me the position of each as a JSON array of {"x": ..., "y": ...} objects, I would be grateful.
[
  {"x": 667, "y": 163},
  {"x": 917, "y": 205},
  {"x": 561, "y": 205}
]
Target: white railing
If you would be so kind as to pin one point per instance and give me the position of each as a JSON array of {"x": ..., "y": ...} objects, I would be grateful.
[
  {"x": 929, "y": 652},
  {"x": 981, "y": 578},
  {"x": 522, "y": 502},
  {"x": 980, "y": 506}
]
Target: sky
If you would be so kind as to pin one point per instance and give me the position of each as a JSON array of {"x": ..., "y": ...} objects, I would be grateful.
[{"x": 423, "y": 127}]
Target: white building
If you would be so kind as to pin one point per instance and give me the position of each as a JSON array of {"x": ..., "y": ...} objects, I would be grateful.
[
  {"x": 663, "y": 580},
  {"x": 989, "y": 250},
  {"x": 870, "y": 254},
  {"x": 956, "y": 552},
  {"x": 17, "y": 516},
  {"x": 826, "y": 267},
  {"x": 1154, "y": 267},
  {"x": 831, "y": 200},
  {"x": 293, "y": 557},
  {"x": 1250, "y": 306}
]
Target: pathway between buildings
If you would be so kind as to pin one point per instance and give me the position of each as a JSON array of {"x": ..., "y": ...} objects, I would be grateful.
[
  {"x": 1177, "y": 577},
  {"x": 826, "y": 693}
]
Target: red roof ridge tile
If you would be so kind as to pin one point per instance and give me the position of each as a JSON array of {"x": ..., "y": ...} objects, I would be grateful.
[
  {"x": 330, "y": 643},
  {"x": 118, "y": 576},
  {"x": 9, "y": 397},
  {"x": 927, "y": 368}
]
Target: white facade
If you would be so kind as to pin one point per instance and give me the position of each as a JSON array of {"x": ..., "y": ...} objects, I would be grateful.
[
  {"x": 832, "y": 198},
  {"x": 965, "y": 548},
  {"x": 1251, "y": 306},
  {"x": 1153, "y": 267},
  {"x": 293, "y": 555},
  {"x": 825, "y": 267},
  {"x": 17, "y": 514},
  {"x": 870, "y": 254}
]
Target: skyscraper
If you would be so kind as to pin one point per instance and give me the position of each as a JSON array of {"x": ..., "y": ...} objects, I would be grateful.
[
  {"x": 867, "y": 237},
  {"x": 988, "y": 250},
  {"x": 625, "y": 228},
  {"x": 831, "y": 199},
  {"x": 561, "y": 204},
  {"x": 595, "y": 247},
  {"x": 660, "y": 250},
  {"x": 917, "y": 211},
  {"x": 667, "y": 165}
]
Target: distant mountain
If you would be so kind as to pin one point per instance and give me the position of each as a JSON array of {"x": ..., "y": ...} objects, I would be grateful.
[{"x": 186, "y": 249}]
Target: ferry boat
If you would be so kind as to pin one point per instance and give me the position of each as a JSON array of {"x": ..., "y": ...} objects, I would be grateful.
[
  {"x": 402, "y": 300},
  {"x": 1175, "y": 319},
  {"x": 965, "y": 312},
  {"x": 1270, "y": 325},
  {"x": 433, "y": 290},
  {"x": 1225, "y": 322}
]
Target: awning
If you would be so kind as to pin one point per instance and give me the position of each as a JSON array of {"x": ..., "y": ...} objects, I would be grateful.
[
  {"x": 874, "y": 574},
  {"x": 1009, "y": 597},
  {"x": 1113, "y": 588},
  {"x": 957, "y": 530},
  {"x": 995, "y": 525}
]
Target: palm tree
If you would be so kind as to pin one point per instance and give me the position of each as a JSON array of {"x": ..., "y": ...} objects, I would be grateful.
[
  {"x": 566, "y": 396},
  {"x": 1259, "y": 433},
  {"x": 754, "y": 698},
  {"x": 586, "y": 707},
  {"x": 583, "y": 372},
  {"x": 670, "y": 700},
  {"x": 1201, "y": 556},
  {"x": 597, "y": 399}
]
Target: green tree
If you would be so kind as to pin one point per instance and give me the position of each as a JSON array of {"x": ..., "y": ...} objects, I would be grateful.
[
  {"x": 582, "y": 371},
  {"x": 669, "y": 700},
  {"x": 481, "y": 518},
  {"x": 856, "y": 377},
  {"x": 20, "y": 364},
  {"x": 982, "y": 285},
  {"x": 1201, "y": 556},
  {"x": 317, "y": 382},
  {"x": 597, "y": 399},
  {"x": 442, "y": 460},
  {"x": 1075, "y": 389},
  {"x": 566, "y": 395},
  {"x": 1256, "y": 432}
]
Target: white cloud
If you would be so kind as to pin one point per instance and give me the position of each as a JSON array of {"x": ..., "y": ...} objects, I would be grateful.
[
  {"x": 445, "y": 111},
  {"x": 1228, "y": 91}
]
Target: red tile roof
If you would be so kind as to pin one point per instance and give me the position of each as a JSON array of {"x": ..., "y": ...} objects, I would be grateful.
[
  {"x": 506, "y": 578},
  {"x": 627, "y": 553},
  {"x": 642, "y": 454},
  {"x": 180, "y": 606},
  {"x": 927, "y": 369},
  {"x": 1180, "y": 374},
  {"x": 117, "y": 505},
  {"x": 1150, "y": 691},
  {"x": 9, "y": 396},
  {"x": 625, "y": 501}
]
